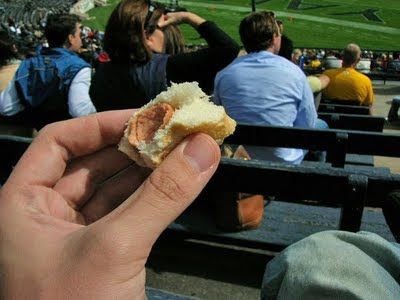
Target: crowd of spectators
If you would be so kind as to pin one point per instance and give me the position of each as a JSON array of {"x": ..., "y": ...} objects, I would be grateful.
[{"x": 317, "y": 60}]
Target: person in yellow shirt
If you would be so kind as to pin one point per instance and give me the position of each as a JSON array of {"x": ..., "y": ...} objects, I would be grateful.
[{"x": 348, "y": 84}]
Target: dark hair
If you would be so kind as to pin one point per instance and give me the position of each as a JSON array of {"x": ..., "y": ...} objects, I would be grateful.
[
  {"x": 174, "y": 41},
  {"x": 257, "y": 31},
  {"x": 125, "y": 32},
  {"x": 59, "y": 27},
  {"x": 7, "y": 48},
  {"x": 396, "y": 55}
]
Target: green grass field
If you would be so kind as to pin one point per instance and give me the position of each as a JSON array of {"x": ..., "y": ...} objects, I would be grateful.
[{"x": 373, "y": 24}]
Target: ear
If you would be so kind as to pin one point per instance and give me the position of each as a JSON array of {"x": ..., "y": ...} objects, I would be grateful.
[{"x": 68, "y": 42}]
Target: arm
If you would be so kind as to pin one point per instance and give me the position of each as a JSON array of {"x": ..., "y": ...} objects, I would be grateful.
[
  {"x": 306, "y": 115},
  {"x": 79, "y": 102},
  {"x": 203, "y": 65},
  {"x": 369, "y": 100},
  {"x": 10, "y": 104},
  {"x": 324, "y": 79}
]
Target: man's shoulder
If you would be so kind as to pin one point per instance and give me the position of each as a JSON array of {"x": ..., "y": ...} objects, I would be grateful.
[
  {"x": 332, "y": 71},
  {"x": 237, "y": 63},
  {"x": 287, "y": 67},
  {"x": 362, "y": 76}
]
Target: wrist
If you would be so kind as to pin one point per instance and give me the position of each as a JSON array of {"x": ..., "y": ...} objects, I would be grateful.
[{"x": 193, "y": 20}]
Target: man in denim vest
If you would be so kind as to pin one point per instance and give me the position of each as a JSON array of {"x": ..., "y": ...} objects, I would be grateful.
[{"x": 54, "y": 84}]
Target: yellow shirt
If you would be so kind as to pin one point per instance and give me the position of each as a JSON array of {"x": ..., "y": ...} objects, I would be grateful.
[
  {"x": 315, "y": 63},
  {"x": 348, "y": 84}
]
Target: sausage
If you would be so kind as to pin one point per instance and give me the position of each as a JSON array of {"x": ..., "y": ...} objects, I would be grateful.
[{"x": 145, "y": 125}]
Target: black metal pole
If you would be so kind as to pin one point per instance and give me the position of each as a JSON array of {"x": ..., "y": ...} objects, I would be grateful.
[{"x": 253, "y": 5}]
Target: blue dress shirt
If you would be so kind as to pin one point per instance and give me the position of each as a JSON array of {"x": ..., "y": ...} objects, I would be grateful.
[{"x": 262, "y": 88}]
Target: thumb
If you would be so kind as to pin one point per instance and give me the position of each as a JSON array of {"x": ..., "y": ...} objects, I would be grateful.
[{"x": 166, "y": 193}]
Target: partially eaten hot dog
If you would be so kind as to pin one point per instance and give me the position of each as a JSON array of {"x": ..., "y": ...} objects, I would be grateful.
[{"x": 155, "y": 129}]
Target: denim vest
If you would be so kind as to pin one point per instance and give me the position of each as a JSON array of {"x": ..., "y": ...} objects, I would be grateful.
[
  {"x": 152, "y": 76},
  {"x": 43, "y": 82},
  {"x": 47, "y": 74},
  {"x": 118, "y": 86}
]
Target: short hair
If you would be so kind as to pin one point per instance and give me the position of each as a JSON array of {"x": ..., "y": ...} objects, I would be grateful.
[
  {"x": 59, "y": 27},
  {"x": 351, "y": 54},
  {"x": 7, "y": 48},
  {"x": 124, "y": 37},
  {"x": 257, "y": 31}
]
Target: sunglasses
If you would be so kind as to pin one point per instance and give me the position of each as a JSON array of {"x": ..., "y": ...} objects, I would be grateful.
[{"x": 152, "y": 7}]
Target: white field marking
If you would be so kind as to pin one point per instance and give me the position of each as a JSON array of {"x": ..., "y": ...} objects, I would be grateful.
[{"x": 358, "y": 25}]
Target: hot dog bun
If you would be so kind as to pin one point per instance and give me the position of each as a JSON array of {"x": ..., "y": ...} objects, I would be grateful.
[{"x": 155, "y": 129}]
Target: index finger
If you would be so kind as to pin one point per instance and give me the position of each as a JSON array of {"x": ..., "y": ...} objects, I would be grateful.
[{"x": 45, "y": 160}]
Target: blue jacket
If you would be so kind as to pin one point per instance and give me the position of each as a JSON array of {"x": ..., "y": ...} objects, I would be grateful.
[
  {"x": 42, "y": 83},
  {"x": 47, "y": 74}
]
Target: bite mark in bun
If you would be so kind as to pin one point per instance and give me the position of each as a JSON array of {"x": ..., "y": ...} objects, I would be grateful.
[{"x": 154, "y": 130}]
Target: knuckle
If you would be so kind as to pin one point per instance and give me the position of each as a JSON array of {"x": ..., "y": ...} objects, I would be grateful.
[{"x": 167, "y": 186}]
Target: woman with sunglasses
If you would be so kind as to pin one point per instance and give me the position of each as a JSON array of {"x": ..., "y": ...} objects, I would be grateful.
[{"x": 139, "y": 69}]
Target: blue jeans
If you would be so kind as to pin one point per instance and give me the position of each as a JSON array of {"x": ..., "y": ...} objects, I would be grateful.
[{"x": 335, "y": 265}]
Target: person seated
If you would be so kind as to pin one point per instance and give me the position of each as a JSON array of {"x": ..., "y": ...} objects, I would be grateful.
[
  {"x": 286, "y": 49},
  {"x": 140, "y": 69},
  {"x": 393, "y": 115},
  {"x": 315, "y": 62},
  {"x": 347, "y": 84},
  {"x": 331, "y": 60},
  {"x": 9, "y": 61},
  {"x": 54, "y": 84},
  {"x": 393, "y": 65},
  {"x": 262, "y": 88}
]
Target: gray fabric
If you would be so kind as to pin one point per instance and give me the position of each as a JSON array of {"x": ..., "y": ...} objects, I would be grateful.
[{"x": 335, "y": 265}]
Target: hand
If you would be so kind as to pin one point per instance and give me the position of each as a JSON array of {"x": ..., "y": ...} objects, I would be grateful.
[
  {"x": 176, "y": 18},
  {"x": 76, "y": 222}
]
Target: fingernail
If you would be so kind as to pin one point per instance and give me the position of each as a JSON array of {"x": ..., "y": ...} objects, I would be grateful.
[{"x": 200, "y": 152}]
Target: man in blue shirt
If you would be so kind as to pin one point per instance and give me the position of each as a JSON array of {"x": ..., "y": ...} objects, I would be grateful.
[
  {"x": 262, "y": 88},
  {"x": 54, "y": 84}
]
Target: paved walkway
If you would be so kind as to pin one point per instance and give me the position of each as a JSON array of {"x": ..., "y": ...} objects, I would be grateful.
[{"x": 384, "y": 94}]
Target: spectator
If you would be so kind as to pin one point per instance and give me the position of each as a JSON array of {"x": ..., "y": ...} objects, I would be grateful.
[
  {"x": 331, "y": 61},
  {"x": 364, "y": 65},
  {"x": 54, "y": 85},
  {"x": 139, "y": 69},
  {"x": 298, "y": 58},
  {"x": 9, "y": 61},
  {"x": 286, "y": 49},
  {"x": 393, "y": 65},
  {"x": 262, "y": 88},
  {"x": 348, "y": 84}
]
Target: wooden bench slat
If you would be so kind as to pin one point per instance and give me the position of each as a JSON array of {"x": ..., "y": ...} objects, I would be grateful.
[{"x": 343, "y": 109}]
